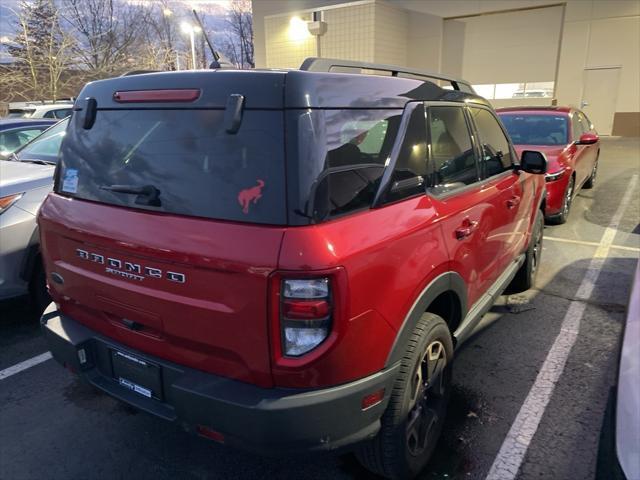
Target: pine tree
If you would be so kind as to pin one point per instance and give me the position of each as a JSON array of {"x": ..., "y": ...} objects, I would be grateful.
[
  {"x": 41, "y": 50},
  {"x": 38, "y": 31}
]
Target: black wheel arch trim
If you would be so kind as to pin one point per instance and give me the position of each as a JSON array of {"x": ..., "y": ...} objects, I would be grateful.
[
  {"x": 543, "y": 198},
  {"x": 445, "y": 282},
  {"x": 32, "y": 253}
]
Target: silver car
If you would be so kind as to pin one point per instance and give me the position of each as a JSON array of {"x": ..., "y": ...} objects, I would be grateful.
[
  {"x": 25, "y": 180},
  {"x": 619, "y": 449}
]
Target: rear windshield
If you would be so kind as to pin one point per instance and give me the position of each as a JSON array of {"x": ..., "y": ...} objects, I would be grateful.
[
  {"x": 179, "y": 161},
  {"x": 341, "y": 156},
  {"x": 536, "y": 129}
]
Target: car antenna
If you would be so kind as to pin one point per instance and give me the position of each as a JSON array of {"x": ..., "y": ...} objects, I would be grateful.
[{"x": 216, "y": 56}]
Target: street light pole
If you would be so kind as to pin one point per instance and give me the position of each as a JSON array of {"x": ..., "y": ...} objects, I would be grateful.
[
  {"x": 193, "y": 49},
  {"x": 191, "y": 30}
]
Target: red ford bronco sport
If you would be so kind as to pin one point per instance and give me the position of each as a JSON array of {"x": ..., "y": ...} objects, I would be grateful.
[{"x": 285, "y": 260}]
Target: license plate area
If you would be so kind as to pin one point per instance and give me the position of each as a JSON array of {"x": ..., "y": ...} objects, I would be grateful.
[{"x": 137, "y": 375}]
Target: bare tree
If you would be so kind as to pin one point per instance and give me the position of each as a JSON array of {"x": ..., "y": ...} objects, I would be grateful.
[
  {"x": 238, "y": 42},
  {"x": 108, "y": 32},
  {"x": 43, "y": 52},
  {"x": 161, "y": 38}
]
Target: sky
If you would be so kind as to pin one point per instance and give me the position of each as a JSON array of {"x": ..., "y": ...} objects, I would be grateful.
[{"x": 209, "y": 8}]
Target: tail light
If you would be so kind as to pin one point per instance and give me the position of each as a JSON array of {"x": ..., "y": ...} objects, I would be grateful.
[
  {"x": 159, "y": 96},
  {"x": 305, "y": 314}
]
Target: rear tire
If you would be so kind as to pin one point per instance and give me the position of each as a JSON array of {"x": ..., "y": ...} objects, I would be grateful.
[
  {"x": 567, "y": 200},
  {"x": 526, "y": 276},
  {"x": 413, "y": 420}
]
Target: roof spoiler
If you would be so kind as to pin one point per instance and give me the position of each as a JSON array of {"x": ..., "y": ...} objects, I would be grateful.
[{"x": 314, "y": 64}]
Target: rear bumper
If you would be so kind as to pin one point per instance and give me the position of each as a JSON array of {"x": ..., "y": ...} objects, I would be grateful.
[{"x": 268, "y": 421}]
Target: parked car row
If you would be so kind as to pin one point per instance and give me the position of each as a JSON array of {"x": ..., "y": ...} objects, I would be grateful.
[
  {"x": 26, "y": 177},
  {"x": 55, "y": 110},
  {"x": 570, "y": 143},
  {"x": 15, "y": 133},
  {"x": 199, "y": 277}
]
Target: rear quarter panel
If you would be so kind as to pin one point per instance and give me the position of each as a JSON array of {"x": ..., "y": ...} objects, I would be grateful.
[{"x": 389, "y": 255}]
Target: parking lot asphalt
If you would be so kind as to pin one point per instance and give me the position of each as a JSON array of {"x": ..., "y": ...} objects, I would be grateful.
[{"x": 55, "y": 427}]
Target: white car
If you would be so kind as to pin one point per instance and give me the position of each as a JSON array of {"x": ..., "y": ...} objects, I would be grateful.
[
  {"x": 619, "y": 449},
  {"x": 47, "y": 110}
]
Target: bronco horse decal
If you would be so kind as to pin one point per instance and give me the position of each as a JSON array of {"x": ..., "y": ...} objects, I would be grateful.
[{"x": 249, "y": 195}]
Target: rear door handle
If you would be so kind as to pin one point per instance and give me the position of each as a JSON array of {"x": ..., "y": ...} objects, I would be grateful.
[
  {"x": 466, "y": 229},
  {"x": 513, "y": 202}
]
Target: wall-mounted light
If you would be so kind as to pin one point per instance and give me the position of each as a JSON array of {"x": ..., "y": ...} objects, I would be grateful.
[{"x": 298, "y": 30}]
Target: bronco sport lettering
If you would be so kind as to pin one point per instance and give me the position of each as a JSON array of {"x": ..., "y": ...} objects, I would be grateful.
[{"x": 132, "y": 271}]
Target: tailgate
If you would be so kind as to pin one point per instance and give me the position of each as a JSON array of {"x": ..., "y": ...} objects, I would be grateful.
[{"x": 189, "y": 290}]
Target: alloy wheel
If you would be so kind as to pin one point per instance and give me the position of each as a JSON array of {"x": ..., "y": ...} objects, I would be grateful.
[
  {"x": 428, "y": 401},
  {"x": 537, "y": 251},
  {"x": 568, "y": 197}
]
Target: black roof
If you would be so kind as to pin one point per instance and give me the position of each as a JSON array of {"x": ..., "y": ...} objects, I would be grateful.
[{"x": 263, "y": 89}]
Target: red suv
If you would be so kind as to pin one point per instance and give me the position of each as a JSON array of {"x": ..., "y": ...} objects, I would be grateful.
[
  {"x": 571, "y": 145},
  {"x": 285, "y": 260}
]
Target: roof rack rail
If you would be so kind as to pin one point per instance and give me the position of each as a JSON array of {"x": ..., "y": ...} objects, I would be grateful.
[{"x": 314, "y": 64}]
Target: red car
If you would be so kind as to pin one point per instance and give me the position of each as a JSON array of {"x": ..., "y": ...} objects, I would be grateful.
[
  {"x": 285, "y": 260},
  {"x": 570, "y": 143}
]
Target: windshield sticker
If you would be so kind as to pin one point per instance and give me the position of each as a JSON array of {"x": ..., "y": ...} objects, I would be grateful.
[
  {"x": 70, "y": 180},
  {"x": 248, "y": 195}
]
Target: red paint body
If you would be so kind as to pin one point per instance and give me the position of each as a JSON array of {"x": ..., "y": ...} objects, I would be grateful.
[
  {"x": 224, "y": 320},
  {"x": 576, "y": 160}
]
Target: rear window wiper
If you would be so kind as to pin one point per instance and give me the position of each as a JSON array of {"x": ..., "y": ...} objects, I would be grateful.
[{"x": 147, "y": 194}]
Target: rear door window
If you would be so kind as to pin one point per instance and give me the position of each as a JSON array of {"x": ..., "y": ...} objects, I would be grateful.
[
  {"x": 11, "y": 140},
  {"x": 497, "y": 156},
  {"x": 576, "y": 126},
  {"x": 336, "y": 159},
  {"x": 45, "y": 147},
  {"x": 584, "y": 123},
  {"x": 62, "y": 113},
  {"x": 410, "y": 169},
  {"x": 183, "y": 161},
  {"x": 453, "y": 162}
]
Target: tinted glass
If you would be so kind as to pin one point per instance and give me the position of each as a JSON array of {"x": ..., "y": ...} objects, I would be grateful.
[
  {"x": 49, "y": 114},
  {"x": 63, "y": 113},
  {"x": 184, "y": 160},
  {"x": 45, "y": 147},
  {"x": 20, "y": 112},
  {"x": 411, "y": 165},
  {"x": 453, "y": 161},
  {"x": 464, "y": 87},
  {"x": 536, "y": 129},
  {"x": 496, "y": 152},
  {"x": 576, "y": 127},
  {"x": 584, "y": 123},
  {"x": 11, "y": 140},
  {"x": 336, "y": 159}
]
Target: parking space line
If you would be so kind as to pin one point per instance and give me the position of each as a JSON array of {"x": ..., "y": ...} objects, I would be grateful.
[
  {"x": 507, "y": 463},
  {"x": 591, "y": 244},
  {"x": 18, "y": 367}
]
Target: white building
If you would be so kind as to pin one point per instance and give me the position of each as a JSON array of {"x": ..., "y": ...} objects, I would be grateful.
[{"x": 515, "y": 52}]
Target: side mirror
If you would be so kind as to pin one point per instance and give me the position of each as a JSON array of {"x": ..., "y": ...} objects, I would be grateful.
[
  {"x": 534, "y": 162},
  {"x": 587, "y": 139}
]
